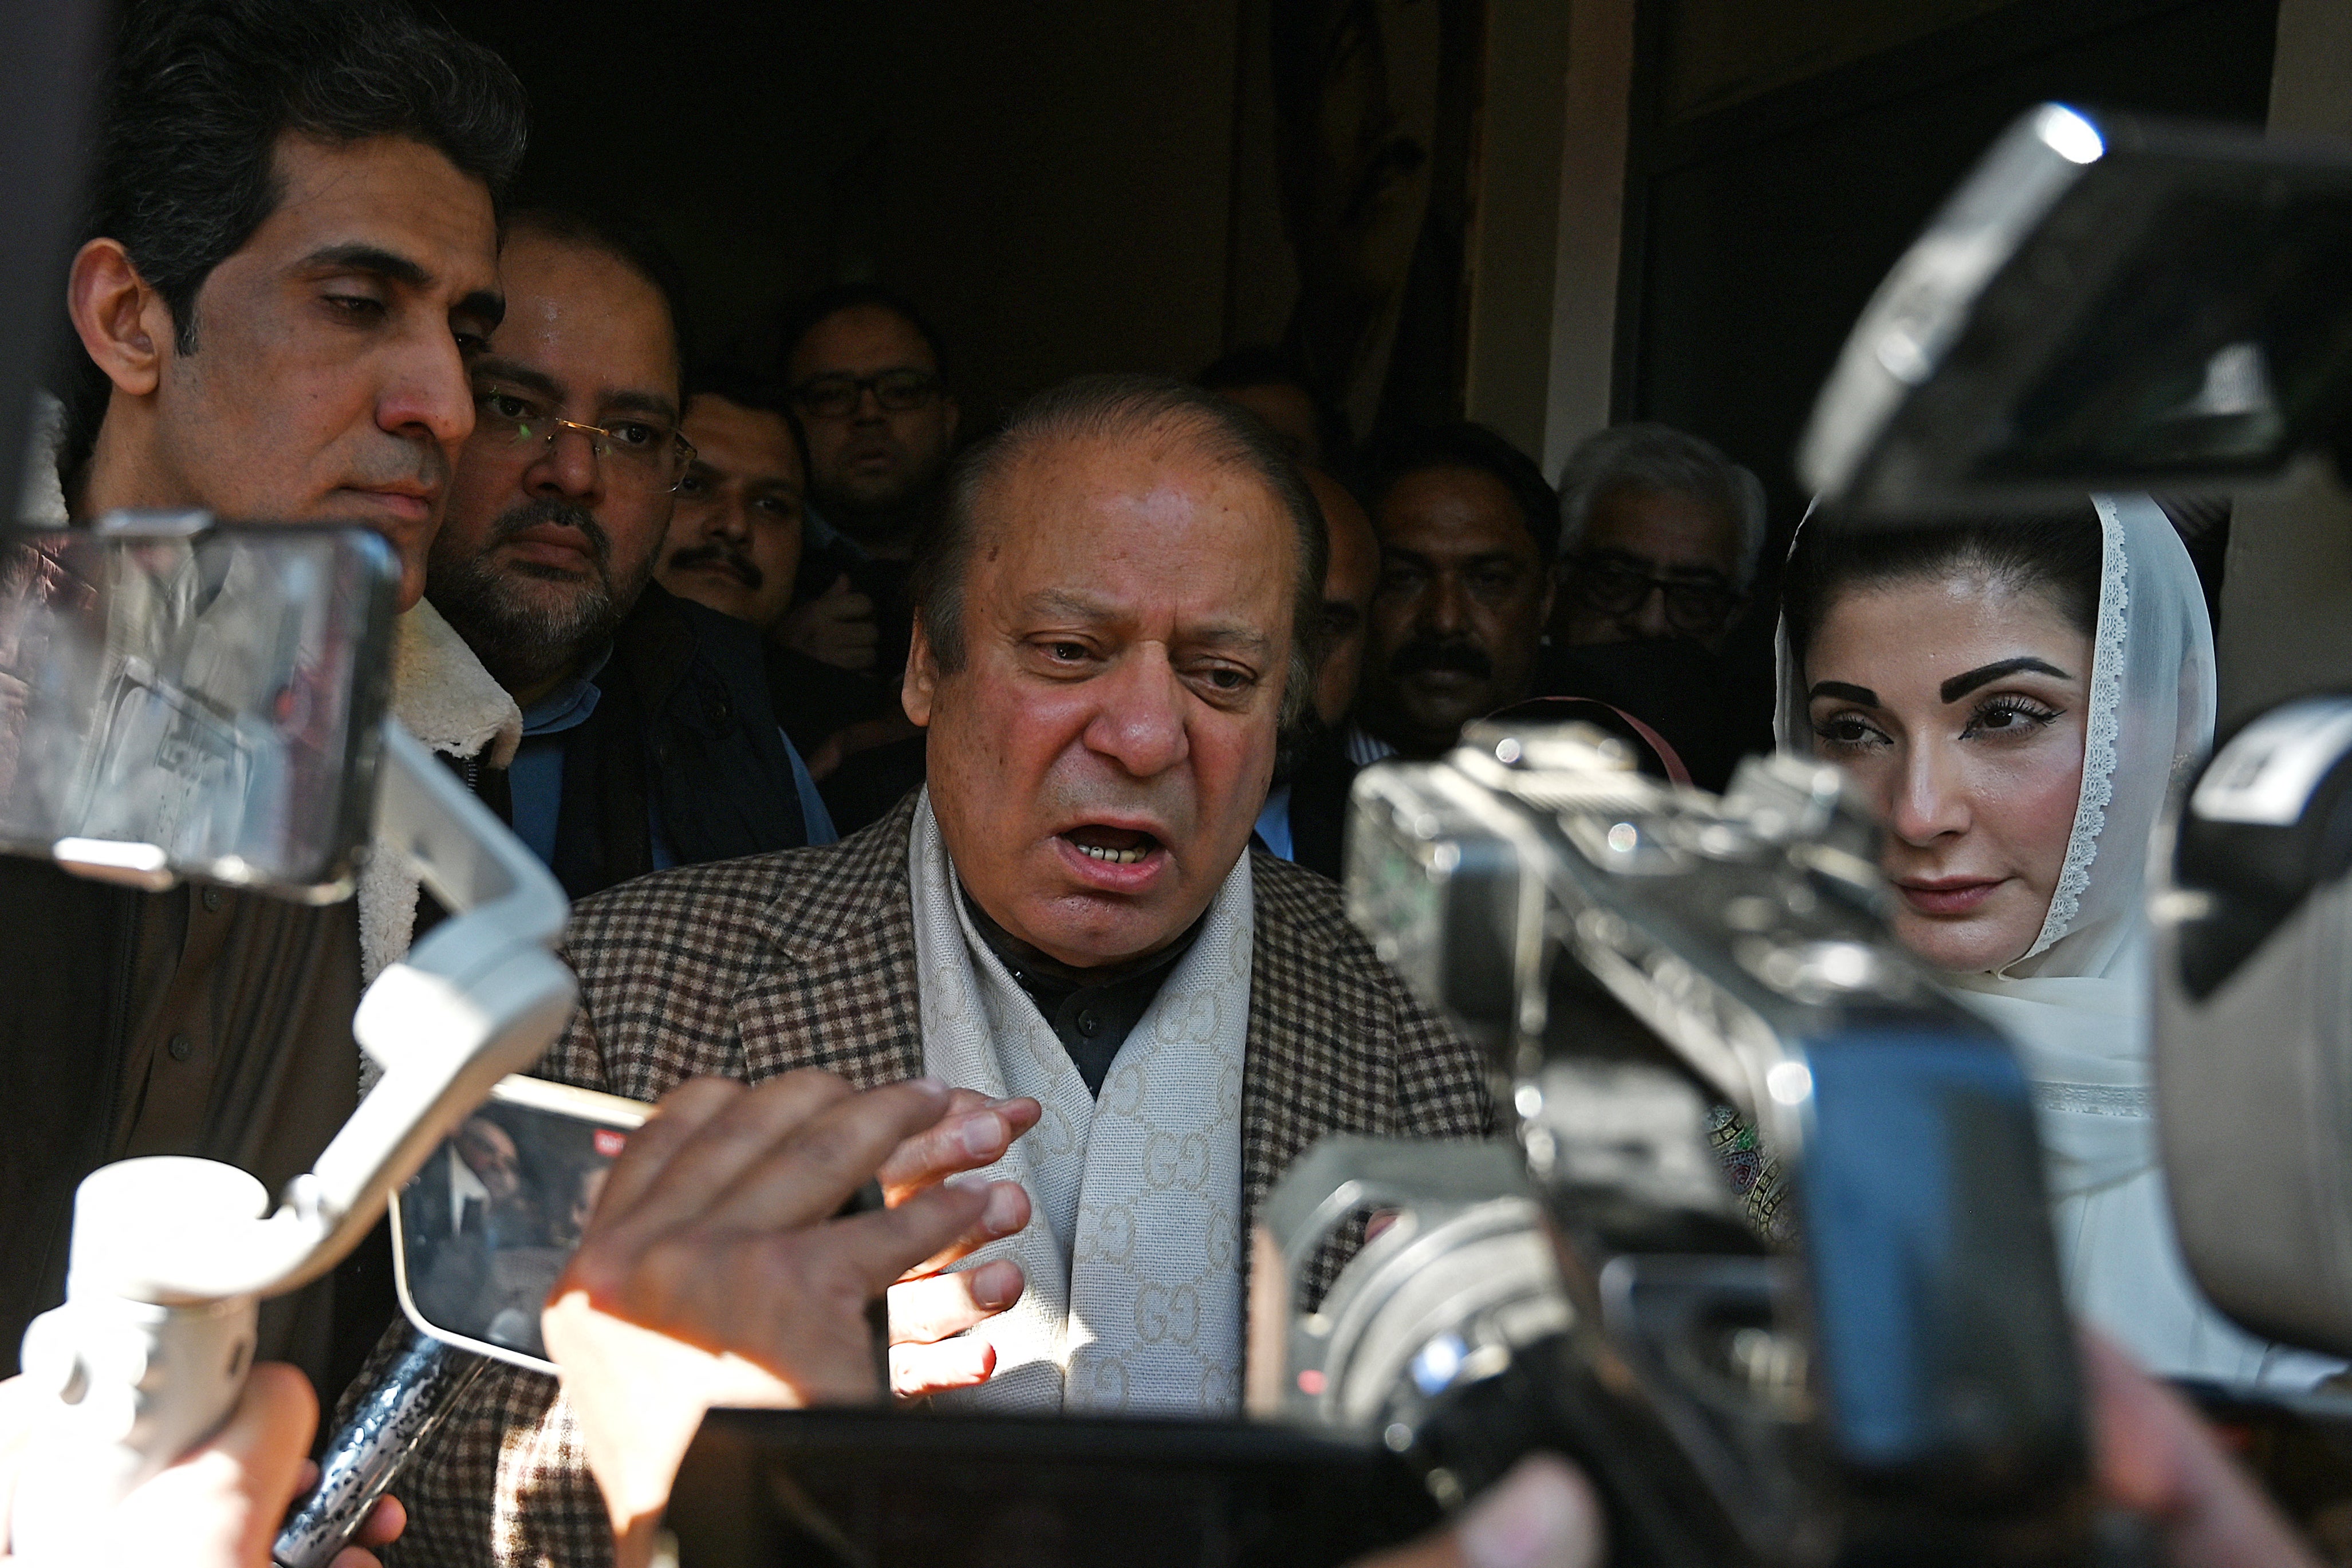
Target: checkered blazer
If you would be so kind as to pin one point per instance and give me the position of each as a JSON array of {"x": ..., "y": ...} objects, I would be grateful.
[{"x": 749, "y": 968}]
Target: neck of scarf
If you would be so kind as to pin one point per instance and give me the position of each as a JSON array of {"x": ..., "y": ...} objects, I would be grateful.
[{"x": 1133, "y": 1253}]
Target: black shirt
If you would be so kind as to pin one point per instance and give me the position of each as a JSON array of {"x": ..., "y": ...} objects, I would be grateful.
[{"x": 1091, "y": 1010}]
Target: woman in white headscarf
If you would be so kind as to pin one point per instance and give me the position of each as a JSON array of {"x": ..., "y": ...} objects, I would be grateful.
[{"x": 2017, "y": 700}]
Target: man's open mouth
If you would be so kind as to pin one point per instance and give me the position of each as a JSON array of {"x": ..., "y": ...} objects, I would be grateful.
[{"x": 1112, "y": 846}]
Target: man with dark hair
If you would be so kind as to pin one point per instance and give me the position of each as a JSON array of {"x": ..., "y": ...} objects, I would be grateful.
[
  {"x": 1268, "y": 382},
  {"x": 648, "y": 734},
  {"x": 291, "y": 255},
  {"x": 1467, "y": 531},
  {"x": 1305, "y": 818},
  {"x": 1116, "y": 613},
  {"x": 866, "y": 376},
  {"x": 734, "y": 544}
]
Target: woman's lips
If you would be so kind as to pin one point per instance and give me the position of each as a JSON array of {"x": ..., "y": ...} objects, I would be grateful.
[{"x": 1948, "y": 896}]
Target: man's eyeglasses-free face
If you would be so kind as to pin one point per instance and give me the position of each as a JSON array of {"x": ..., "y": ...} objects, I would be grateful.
[
  {"x": 1612, "y": 586},
  {"x": 837, "y": 396},
  {"x": 645, "y": 452}
]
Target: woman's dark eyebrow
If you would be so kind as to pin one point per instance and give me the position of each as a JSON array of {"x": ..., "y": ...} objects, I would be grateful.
[
  {"x": 1960, "y": 686},
  {"x": 1839, "y": 689}
]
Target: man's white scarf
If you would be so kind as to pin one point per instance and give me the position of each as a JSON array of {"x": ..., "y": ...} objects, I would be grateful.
[{"x": 1133, "y": 1252}]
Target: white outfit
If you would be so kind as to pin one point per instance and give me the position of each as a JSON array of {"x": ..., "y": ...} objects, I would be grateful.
[
  {"x": 2076, "y": 1006},
  {"x": 1133, "y": 1253}
]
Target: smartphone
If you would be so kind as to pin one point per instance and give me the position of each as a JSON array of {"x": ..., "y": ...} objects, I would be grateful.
[
  {"x": 184, "y": 699},
  {"x": 481, "y": 1231}
]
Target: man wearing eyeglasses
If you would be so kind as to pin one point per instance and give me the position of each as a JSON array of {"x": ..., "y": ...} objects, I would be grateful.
[
  {"x": 1660, "y": 535},
  {"x": 648, "y": 738},
  {"x": 863, "y": 372},
  {"x": 1466, "y": 527}
]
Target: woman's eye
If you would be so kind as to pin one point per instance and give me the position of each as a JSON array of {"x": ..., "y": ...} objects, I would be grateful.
[
  {"x": 2010, "y": 716},
  {"x": 1845, "y": 732}
]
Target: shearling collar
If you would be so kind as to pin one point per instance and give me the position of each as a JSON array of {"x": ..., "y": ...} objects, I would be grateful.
[{"x": 443, "y": 696}]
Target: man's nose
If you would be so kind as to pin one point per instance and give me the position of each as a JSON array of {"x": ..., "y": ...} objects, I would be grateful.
[
  {"x": 1139, "y": 722},
  {"x": 1927, "y": 798},
  {"x": 427, "y": 395},
  {"x": 1649, "y": 618},
  {"x": 567, "y": 467},
  {"x": 729, "y": 521},
  {"x": 1445, "y": 608}
]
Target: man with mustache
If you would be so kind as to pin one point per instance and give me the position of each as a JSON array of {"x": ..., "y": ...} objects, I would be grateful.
[
  {"x": 648, "y": 737},
  {"x": 1116, "y": 613},
  {"x": 291, "y": 255},
  {"x": 1467, "y": 531},
  {"x": 734, "y": 544}
]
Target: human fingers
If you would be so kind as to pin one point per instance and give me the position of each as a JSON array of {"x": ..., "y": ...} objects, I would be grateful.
[
  {"x": 699, "y": 1177},
  {"x": 1008, "y": 1210},
  {"x": 973, "y": 1135},
  {"x": 223, "y": 1502},
  {"x": 1542, "y": 1515},
  {"x": 877, "y": 1249},
  {"x": 2156, "y": 1458},
  {"x": 918, "y": 1370},
  {"x": 808, "y": 1177},
  {"x": 384, "y": 1522},
  {"x": 923, "y": 1311},
  {"x": 668, "y": 1127}
]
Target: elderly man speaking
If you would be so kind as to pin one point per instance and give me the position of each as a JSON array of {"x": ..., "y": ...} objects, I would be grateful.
[{"x": 1112, "y": 623}]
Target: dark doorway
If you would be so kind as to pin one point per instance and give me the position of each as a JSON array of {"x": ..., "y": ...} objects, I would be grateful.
[{"x": 1758, "y": 232}]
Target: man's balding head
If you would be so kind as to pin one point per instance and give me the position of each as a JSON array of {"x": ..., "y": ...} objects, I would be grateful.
[
  {"x": 1149, "y": 413},
  {"x": 1113, "y": 616}
]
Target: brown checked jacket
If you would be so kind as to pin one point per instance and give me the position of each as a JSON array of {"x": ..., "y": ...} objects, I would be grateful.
[{"x": 750, "y": 968}]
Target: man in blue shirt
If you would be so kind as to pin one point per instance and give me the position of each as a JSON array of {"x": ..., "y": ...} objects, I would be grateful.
[{"x": 649, "y": 740}]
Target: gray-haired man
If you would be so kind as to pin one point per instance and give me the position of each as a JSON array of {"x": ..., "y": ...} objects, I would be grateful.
[{"x": 1660, "y": 535}]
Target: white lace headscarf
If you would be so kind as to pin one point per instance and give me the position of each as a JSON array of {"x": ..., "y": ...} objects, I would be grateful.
[
  {"x": 2151, "y": 723},
  {"x": 2075, "y": 1002}
]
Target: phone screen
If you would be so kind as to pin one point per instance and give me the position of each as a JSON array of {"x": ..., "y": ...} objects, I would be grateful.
[
  {"x": 202, "y": 703},
  {"x": 481, "y": 1231}
]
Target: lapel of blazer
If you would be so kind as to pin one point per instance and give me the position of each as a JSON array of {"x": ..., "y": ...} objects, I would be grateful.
[
  {"x": 838, "y": 992},
  {"x": 1319, "y": 1044}
]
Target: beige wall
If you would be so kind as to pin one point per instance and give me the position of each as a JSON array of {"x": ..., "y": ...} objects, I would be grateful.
[
  {"x": 2286, "y": 595},
  {"x": 1590, "y": 236}
]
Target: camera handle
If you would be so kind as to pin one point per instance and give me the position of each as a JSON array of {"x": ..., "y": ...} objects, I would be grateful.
[{"x": 171, "y": 1256}]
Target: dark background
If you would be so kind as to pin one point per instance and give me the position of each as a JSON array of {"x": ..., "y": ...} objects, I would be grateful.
[{"x": 1084, "y": 184}]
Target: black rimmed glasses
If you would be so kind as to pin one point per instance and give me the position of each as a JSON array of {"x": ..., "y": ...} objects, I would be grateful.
[
  {"x": 837, "y": 396},
  {"x": 643, "y": 452},
  {"x": 1612, "y": 586}
]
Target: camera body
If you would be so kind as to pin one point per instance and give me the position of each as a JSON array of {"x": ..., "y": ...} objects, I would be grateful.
[{"x": 1869, "y": 1358}]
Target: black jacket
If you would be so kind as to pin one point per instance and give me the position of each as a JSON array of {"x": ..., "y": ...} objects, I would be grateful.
[{"x": 684, "y": 728}]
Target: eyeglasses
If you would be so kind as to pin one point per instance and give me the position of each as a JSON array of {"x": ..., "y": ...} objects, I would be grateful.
[
  {"x": 640, "y": 451},
  {"x": 837, "y": 396},
  {"x": 1614, "y": 587}
]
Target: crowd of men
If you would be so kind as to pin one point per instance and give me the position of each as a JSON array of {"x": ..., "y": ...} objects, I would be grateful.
[{"x": 1080, "y": 701}]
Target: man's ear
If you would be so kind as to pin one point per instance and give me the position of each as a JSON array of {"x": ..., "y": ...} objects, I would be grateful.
[
  {"x": 122, "y": 323},
  {"x": 921, "y": 682}
]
